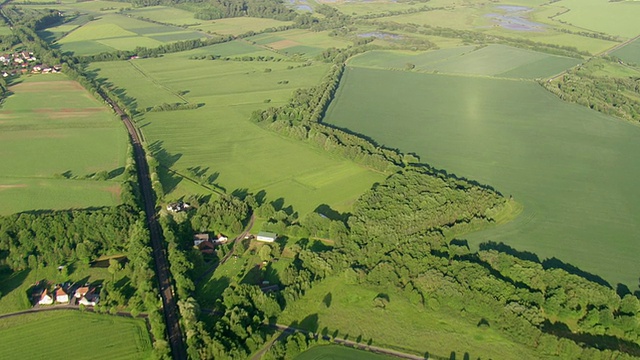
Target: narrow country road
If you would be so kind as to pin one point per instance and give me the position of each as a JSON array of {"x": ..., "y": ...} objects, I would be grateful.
[{"x": 170, "y": 307}]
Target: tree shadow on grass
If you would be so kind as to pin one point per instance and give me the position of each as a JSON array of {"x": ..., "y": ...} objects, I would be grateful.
[{"x": 168, "y": 178}]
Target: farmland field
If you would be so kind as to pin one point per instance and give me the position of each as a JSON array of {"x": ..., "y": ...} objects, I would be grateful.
[
  {"x": 219, "y": 138},
  {"x": 572, "y": 168},
  {"x": 629, "y": 52},
  {"x": 117, "y": 32},
  {"x": 337, "y": 352},
  {"x": 401, "y": 325},
  {"x": 493, "y": 60},
  {"x": 58, "y": 334},
  {"x": 299, "y": 41},
  {"x": 53, "y": 137},
  {"x": 614, "y": 18}
]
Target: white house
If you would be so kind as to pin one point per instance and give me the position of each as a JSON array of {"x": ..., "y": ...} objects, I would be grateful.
[
  {"x": 220, "y": 239},
  {"x": 82, "y": 291},
  {"x": 45, "y": 298},
  {"x": 200, "y": 238},
  {"x": 61, "y": 296},
  {"x": 267, "y": 236}
]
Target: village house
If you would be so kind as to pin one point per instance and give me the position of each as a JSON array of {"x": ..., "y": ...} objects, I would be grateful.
[
  {"x": 178, "y": 206},
  {"x": 200, "y": 238},
  {"x": 61, "y": 296},
  {"x": 45, "y": 298},
  {"x": 267, "y": 236},
  {"x": 87, "y": 296},
  {"x": 81, "y": 292},
  {"x": 206, "y": 247},
  {"x": 220, "y": 239}
]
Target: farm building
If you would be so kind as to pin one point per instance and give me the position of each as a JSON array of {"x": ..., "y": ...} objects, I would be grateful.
[
  {"x": 200, "y": 238},
  {"x": 178, "y": 206},
  {"x": 267, "y": 236},
  {"x": 45, "y": 298},
  {"x": 61, "y": 296},
  {"x": 220, "y": 239}
]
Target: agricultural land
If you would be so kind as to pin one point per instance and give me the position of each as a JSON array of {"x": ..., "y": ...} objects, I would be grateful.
[
  {"x": 61, "y": 147},
  {"x": 266, "y": 179},
  {"x": 58, "y": 333}
]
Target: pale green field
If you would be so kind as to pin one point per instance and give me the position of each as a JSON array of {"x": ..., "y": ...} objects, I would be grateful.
[
  {"x": 299, "y": 41},
  {"x": 116, "y": 32},
  {"x": 219, "y": 137},
  {"x": 630, "y": 52},
  {"x": 61, "y": 334},
  {"x": 51, "y": 126},
  {"x": 371, "y": 7},
  {"x": 573, "y": 169},
  {"x": 167, "y": 15},
  {"x": 614, "y": 18},
  {"x": 92, "y": 6},
  {"x": 232, "y": 49},
  {"x": 492, "y": 60},
  {"x": 419, "y": 330},
  {"x": 241, "y": 25}
]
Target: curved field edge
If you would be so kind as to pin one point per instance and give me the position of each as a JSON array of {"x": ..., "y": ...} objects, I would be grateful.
[
  {"x": 65, "y": 333},
  {"x": 561, "y": 161}
]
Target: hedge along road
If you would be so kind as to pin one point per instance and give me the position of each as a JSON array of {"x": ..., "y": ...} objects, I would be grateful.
[{"x": 160, "y": 259}]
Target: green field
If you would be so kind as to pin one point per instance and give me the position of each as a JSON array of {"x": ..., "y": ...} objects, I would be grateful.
[
  {"x": 615, "y": 18},
  {"x": 573, "y": 169},
  {"x": 219, "y": 138},
  {"x": 492, "y": 60},
  {"x": 117, "y": 32},
  {"x": 298, "y": 41},
  {"x": 337, "y": 352},
  {"x": 401, "y": 325},
  {"x": 62, "y": 334},
  {"x": 53, "y": 135},
  {"x": 629, "y": 52}
]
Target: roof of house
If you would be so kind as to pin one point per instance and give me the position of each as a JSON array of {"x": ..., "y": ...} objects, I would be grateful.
[
  {"x": 45, "y": 293},
  {"x": 82, "y": 291},
  {"x": 203, "y": 236},
  {"x": 267, "y": 234},
  {"x": 60, "y": 292}
]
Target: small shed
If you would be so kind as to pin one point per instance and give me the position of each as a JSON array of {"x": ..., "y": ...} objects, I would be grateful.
[{"x": 267, "y": 236}]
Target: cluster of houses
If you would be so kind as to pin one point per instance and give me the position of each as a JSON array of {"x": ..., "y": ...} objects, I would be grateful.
[
  {"x": 206, "y": 243},
  {"x": 24, "y": 62},
  {"x": 84, "y": 295}
]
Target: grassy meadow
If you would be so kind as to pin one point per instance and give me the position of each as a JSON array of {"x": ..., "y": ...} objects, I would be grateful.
[
  {"x": 54, "y": 136},
  {"x": 630, "y": 52},
  {"x": 61, "y": 334},
  {"x": 111, "y": 32},
  {"x": 219, "y": 138},
  {"x": 337, "y": 352},
  {"x": 492, "y": 60},
  {"x": 619, "y": 18},
  {"x": 571, "y": 168},
  {"x": 299, "y": 41},
  {"x": 439, "y": 332}
]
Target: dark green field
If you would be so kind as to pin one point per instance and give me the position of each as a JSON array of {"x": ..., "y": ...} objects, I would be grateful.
[
  {"x": 573, "y": 169},
  {"x": 337, "y": 352},
  {"x": 74, "y": 335}
]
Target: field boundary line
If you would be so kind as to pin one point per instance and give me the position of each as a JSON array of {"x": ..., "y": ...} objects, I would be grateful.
[{"x": 156, "y": 82}]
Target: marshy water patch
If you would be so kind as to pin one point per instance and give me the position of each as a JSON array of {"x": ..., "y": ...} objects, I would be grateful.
[{"x": 512, "y": 17}]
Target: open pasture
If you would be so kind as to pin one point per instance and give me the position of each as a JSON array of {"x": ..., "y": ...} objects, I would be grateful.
[
  {"x": 361, "y": 8},
  {"x": 232, "y": 49},
  {"x": 492, "y": 60},
  {"x": 440, "y": 332},
  {"x": 117, "y": 32},
  {"x": 618, "y": 18},
  {"x": 337, "y": 352},
  {"x": 61, "y": 334},
  {"x": 298, "y": 41},
  {"x": 572, "y": 168},
  {"x": 219, "y": 138},
  {"x": 240, "y": 25},
  {"x": 51, "y": 129}
]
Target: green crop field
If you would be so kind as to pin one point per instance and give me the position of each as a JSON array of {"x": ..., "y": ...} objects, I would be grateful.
[
  {"x": 117, "y": 32},
  {"x": 241, "y": 25},
  {"x": 337, "y": 352},
  {"x": 436, "y": 331},
  {"x": 219, "y": 137},
  {"x": 572, "y": 168},
  {"x": 618, "y": 18},
  {"x": 165, "y": 14},
  {"x": 297, "y": 41},
  {"x": 61, "y": 334},
  {"x": 629, "y": 52},
  {"x": 493, "y": 60},
  {"x": 54, "y": 134}
]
